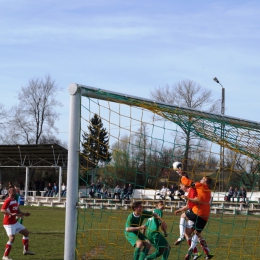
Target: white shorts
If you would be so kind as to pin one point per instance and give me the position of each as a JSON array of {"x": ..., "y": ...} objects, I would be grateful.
[
  {"x": 13, "y": 228},
  {"x": 189, "y": 224}
]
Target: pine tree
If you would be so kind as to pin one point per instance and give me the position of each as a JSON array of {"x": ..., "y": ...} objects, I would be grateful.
[{"x": 96, "y": 143}]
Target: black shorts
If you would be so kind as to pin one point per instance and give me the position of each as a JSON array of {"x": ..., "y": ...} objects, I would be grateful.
[{"x": 199, "y": 223}]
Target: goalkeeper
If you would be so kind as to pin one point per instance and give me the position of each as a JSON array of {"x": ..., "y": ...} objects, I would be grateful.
[
  {"x": 200, "y": 212},
  {"x": 154, "y": 235}
]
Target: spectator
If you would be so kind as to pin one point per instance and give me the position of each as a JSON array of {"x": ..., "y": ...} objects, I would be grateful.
[
  {"x": 162, "y": 193},
  {"x": 63, "y": 190},
  {"x": 230, "y": 193},
  {"x": 124, "y": 192},
  {"x": 5, "y": 193},
  {"x": 49, "y": 191},
  {"x": 129, "y": 191},
  {"x": 42, "y": 185},
  {"x": 235, "y": 195},
  {"x": 37, "y": 186},
  {"x": 21, "y": 183},
  {"x": 172, "y": 190},
  {"x": 30, "y": 188},
  {"x": 92, "y": 190},
  {"x": 180, "y": 193},
  {"x": 117, "y": 192},
  {"x": 98, "y": 188},
  {"x": 107, "y": 194},
  {"x": 55, "y": 189},
  {"x": 243, "y": 194},
  {"x": 17, "y": 198}
]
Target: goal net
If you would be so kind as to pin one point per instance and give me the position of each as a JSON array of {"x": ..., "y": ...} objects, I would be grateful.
[{"x": 121, "y": 140}]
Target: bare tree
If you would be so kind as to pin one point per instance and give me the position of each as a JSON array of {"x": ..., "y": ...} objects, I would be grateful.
[
  {"x": 187, "y": 93},
  {"x": 35, "y": 114},
  {"x": 3, "y": 118}
]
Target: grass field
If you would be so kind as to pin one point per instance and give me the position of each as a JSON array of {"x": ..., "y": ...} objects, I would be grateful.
[
  {"x": 47, "y": 234},
  {"x": 229, "y": 236},
  {"x": 100, "y": 235}
]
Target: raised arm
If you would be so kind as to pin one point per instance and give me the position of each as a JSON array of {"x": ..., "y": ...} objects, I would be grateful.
[{"x": 163, "y": 223}]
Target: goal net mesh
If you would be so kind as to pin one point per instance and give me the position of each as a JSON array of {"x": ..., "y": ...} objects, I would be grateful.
[{"x": 143, "y": 139}]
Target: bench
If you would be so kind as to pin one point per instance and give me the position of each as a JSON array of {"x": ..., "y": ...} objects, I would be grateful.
[{"x": 258, "y": 199}]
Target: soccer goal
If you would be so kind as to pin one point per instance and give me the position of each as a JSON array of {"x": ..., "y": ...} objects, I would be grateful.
[{"x": 127, "y": 141}]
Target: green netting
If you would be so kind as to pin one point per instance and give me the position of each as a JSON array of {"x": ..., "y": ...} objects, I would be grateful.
[{"x": 145, "y": 138}]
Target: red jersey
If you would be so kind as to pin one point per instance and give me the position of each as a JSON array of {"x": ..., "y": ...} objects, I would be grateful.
[
  {"x": 11, "y": 205},
  {"x": 192, "y": 193}
]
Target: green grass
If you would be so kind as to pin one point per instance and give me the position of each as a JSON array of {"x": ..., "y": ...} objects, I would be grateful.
[
  {"x": 46, "y": 239},
  {"x": 100, "y": 235},
  {"x": 228, "y": 236}
]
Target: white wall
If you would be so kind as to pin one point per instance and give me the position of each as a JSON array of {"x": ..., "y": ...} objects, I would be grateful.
[{"x": 149, "y": 194}]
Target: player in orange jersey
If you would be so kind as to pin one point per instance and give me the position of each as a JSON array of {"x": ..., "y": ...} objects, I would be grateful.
[{"x": 200, "y": 211}]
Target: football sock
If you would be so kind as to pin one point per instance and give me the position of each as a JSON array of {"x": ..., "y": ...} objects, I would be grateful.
[
  {"x": 204, "y": 246},
  {"x": 137, "y": 253},
  {"x": 153, "y": 255},
  {"x": 144, "y": 253},
  {"x": 194, "y": 241},
  {"x": 166, "y": 253},
  {"x": 25, "y": 241},
  {"x": 182, "y": 226},
  {"x": 8, "y": 248}
]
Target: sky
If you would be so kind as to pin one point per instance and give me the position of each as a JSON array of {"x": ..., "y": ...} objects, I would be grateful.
[{"x": 132, "y": 47}]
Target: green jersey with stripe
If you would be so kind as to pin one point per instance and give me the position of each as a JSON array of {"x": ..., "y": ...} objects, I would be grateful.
[
  {"x": 153, "y": 224},
  {"x": 136, "y": 221}
]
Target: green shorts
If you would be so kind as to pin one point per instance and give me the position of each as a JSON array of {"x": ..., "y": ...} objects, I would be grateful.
[
  {"x": 133, "y": 237},
  {"x": 157, "y": 240}
]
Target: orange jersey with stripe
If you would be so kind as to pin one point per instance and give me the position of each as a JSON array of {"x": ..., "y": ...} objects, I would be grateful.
[{"x": 202, "y": 208}]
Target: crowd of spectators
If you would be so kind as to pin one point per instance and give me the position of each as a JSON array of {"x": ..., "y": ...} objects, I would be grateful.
[
  {"x": 100, "y": 191},
  {"x": 52, "y": 189},
  {"x": 240, "y": 195}
]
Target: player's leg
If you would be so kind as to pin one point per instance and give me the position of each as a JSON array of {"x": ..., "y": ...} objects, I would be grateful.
[
  {"x": 146, "y": 244},
  {"x": 153, "y": 238},
  {"x": 136, "y": 242},
  {"x": 200, "y": 224},
  {"x": 25, "y": 241},
  {"x": 8, "y": 246},
  {"x": 192, "y": 239},
  {"x": 162, "y": 247},
  {"x": 10, "y": 231},
  {"x": 144, "y": 253},
  {"x": 182, "y": 227},
  {"x": 137, "y": 251}
]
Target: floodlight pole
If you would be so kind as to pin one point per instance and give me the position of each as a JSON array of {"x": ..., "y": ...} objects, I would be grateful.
[{"x": 222, "y": 148}]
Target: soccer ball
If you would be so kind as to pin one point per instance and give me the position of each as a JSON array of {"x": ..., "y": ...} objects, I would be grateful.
[{"x": 177, "y": 166}]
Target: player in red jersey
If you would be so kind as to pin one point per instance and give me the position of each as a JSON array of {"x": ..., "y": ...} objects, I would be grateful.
[
  {"x": 186, "y": 225},
  {"x": 11, "y": 210}
]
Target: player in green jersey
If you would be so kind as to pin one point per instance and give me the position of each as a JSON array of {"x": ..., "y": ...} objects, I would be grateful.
[
  {"x": 133, "y": 229},
  {"x": 155, "y": 237}
]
